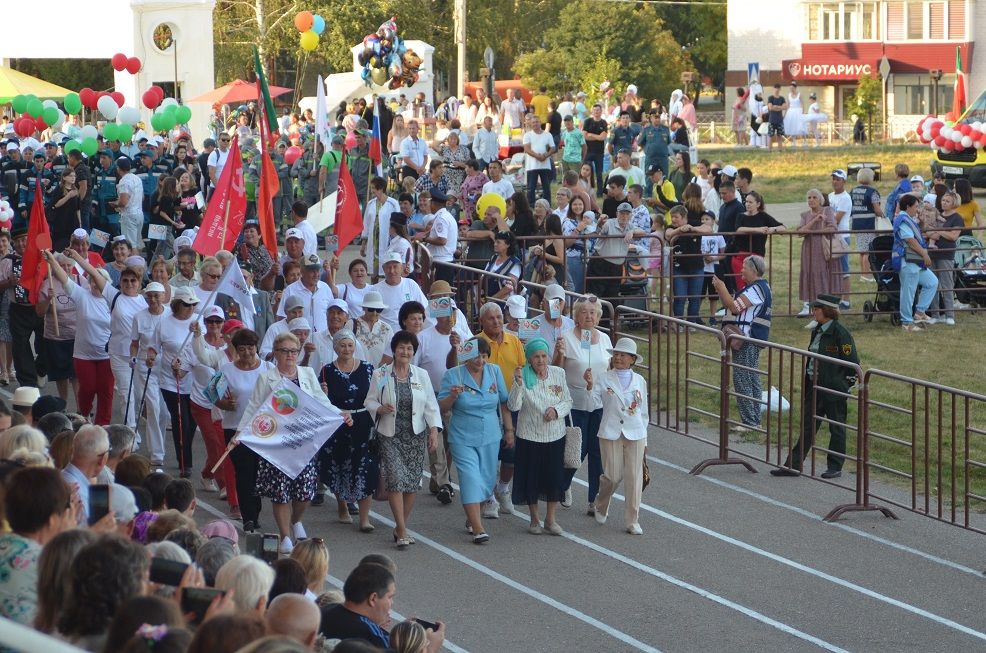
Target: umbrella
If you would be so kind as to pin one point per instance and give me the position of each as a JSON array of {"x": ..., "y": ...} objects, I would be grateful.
[
  {"x": 14, "y": 82},
  {"x": 237, "y": 91}
]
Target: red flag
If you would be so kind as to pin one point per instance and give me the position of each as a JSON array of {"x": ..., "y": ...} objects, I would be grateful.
[
  {"x": 269, "y": 184},
  {"x": 349, "y": 220},
  {"x": 376, "y": 155},
  {"x": 223, "y": 219},
  {"x": 34, "y": 269}
]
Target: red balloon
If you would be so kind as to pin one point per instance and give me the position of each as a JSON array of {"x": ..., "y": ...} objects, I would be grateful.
[
  {"x": 292, "y": 154},
  {"x": 936, "y": 128},
  {"x": 150, "y": 99},
  {"x": 964, "y": 129},
  {"x": 117, "y": 97},
  {"x": 88, "y": 97},
  {"x": 133, "y": 65},
  {"x": 40, "y": 124},
  {"x": 119, "y": 61},
  {"x": 159, "y": 92},
  {"x": 940, "y": 141},
  {"x": 24, "y": 127}
]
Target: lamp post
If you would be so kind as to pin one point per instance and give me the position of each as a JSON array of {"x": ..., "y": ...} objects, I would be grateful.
[{"x": 936, "y": 75}]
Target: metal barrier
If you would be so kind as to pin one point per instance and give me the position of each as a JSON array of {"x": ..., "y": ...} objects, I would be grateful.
[{"x": 944, "y": 475}]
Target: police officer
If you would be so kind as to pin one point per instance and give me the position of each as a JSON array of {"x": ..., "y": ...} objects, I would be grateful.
[
  {"x": 823, "y": 389},
  {"x": 104, "y": 192},
  {"x": 307, "y": 174},
  {"x": 30, "y": 178},
  {"x": 12, "y": 167}
]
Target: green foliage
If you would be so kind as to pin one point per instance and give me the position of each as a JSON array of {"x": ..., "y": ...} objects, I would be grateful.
[
  {"x": 868, "y": 95},
  {"x": 67, "y": 73},
  {"x": 701, "y": 30}
]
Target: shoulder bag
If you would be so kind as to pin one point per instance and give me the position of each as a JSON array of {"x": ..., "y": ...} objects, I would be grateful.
[
  {"x": 573, "y": 445},
  {"x": 834, "y": 247}
]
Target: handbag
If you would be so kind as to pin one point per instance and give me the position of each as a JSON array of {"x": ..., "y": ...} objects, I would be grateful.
[
  {"x": 733, "y": 329},
  {"x": 834, "y": 247},
  {"x": 883, "y": 224},
  {"x": 573, "y": 445},
  {"x": 763, "y": 128},
  {"x": 646, "y": 476}
]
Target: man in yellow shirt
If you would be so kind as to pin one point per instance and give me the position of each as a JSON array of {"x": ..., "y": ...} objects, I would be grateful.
[
  {"x": 663, "y": 193},
  {"x": 539, "y": 103}
]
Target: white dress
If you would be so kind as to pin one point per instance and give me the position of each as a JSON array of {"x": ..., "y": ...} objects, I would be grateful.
[{"x": 794, "y": 123}]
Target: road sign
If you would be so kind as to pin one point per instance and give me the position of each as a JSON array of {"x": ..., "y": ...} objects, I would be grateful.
[
  {"x": 752, "y": 72},
  {"x": 884, "y": 67}
]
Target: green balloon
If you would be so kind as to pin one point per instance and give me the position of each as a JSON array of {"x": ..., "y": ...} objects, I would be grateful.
[
  {"x": 156, "y": 124},
  {"x": 125, "y": 132},
  {"x": 168, "y": 120},
  {"x": 50, "y": 115},
  {"x": 183, "y": 114},
  {"x": 171, "y": 108},
  {"x": 89, "y": 146},
  {"x": 109, "y": 131},
  {"x": 73, "y": 103},
  {"x": 71, "y": 145},
  {"x": 35, "y": 108},
  {"x": 20, "y": 103}
]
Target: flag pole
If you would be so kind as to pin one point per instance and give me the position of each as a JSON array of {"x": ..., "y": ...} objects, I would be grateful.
[
  {"x": 54, "y": 302},
  {"x": 229, "y": 448}
]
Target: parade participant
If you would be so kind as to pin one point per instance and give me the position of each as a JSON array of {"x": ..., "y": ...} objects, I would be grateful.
[
  {"x": 121, "y": 251},
  {"x": 376, "y": 226},
  {"x": 59, "y": 342},
  {"x": 315, "y": 294},
  {"x": 129, "y": 203},
  {"x": 146, "y": 374},
  {"x": 372, "y": 332},
  {"x": 64, "y": 215},
  {"x": 395, "y": 289}
]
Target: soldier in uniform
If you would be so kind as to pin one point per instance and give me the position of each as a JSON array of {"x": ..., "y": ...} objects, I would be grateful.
[
  {"x": 285, "y": 193},
  {"x": 12, "y": 166},
  {"x": 358, "y": 161},
  {"x": 307, "y": 174},
  {"x": 150, "y": 176},
  {"x": 30, "y": 178},
  {"x": 104, "y": 192},
  {"x": 823, "y": 389}
]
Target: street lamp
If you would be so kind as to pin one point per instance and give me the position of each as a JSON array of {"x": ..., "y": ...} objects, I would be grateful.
[{"x": 936, "y": 75}]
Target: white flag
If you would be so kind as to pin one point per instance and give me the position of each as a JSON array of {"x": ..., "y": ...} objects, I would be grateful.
[
  {"x": 289, "y": 428},
  {"x": 234, "y": 285},
  {"x": 321, "y": 115},
  {"x": 321, "y": 216}
]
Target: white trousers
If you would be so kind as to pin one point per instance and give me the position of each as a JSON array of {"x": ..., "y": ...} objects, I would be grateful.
[
  {"x": 123, "y": 392},
  {"x": 156, "y": 411}
]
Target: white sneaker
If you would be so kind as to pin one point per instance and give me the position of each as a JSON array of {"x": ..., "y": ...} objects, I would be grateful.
[
  {"x": 635, "y": 529},
  {"x": 299, "y": 531},
  {"x": 222, "y": 493},
  {"x": 491, "y": 509},
  {"x": 805, "y": 310},
  {"x": 600, "y": 516},
  {"x": 209, "y": 485},
  {"x": 811, "y": 325},
  {"x": 286, "y": 546},
  {"x": 566, "y": 502},
  {"x": 506, "y": 504},
  {"x": 961, "y": 305},
  {"x": 950, "y": 321}
]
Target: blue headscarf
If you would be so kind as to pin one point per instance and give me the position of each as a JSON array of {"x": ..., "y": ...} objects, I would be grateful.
[{"x": 532, "y": 347}]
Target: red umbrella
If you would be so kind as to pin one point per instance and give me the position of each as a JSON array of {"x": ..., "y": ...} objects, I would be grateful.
[{"x": 236, "y": 91}]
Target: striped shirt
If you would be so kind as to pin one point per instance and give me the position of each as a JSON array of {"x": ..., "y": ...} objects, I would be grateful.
[
  {"x": 749, "y": 300},
  {"x": 532, "y": 403}
]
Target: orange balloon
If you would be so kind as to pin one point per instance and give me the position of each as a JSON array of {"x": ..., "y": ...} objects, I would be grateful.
[{"x": 304, "y": 20}]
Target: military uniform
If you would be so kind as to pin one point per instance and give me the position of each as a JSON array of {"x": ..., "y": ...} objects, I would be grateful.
[
  {"x": 29, "y": 180},
  {"x": 307, "y": 179},
  {"x": 830, "y": 339}
]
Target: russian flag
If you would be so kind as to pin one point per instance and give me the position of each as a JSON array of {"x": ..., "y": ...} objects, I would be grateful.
[{"x": 376, "y": 152}]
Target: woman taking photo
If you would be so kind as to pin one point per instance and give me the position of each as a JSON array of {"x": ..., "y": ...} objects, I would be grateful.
[
  {"x": 289, "y": 497},
  {"x": 242, "y": 375},
  {"x": 622, "y": 434},
  {"x": 910, "y": 257},
  {"x": 476, "y": 394},
  {"x": 188, "y": 203},
  {"x": 402, "y": 404},
  {"x": 172, "y": 342},
  {"x": 92, "y": 332},
  {"x": 752, "y": 229},
  {"x": 540, "y": 393},
  {"x": 818, "y": 276},
  {"x": 504, "y": 263},
  {"x": 63, "y": 211},
  {"x": 346, "y": 463},
  {"x": 749, "y": 310}
]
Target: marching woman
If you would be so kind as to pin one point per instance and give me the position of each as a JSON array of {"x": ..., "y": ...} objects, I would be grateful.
[
  {"x": 146, "y": 375},
  {"x": 403, "y": 406},
  {"x": 289, "y": 497},
  {"x": 92, "y": 332},
  {"x": 622, "y": 433},
  {"x": 540, "y": 393}
]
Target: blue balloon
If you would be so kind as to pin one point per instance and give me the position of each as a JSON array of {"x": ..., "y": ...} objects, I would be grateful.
[
  {"x": 318, "y": 25},
  {"x": 376, "y": 47}
]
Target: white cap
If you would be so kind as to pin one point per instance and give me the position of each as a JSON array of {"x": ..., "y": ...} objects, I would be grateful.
[
  {"x": 393, "y": 257},
  {"x": 153, "y": 286},
  {"x": 13, "y": 147},
  {"x": 632, "y": 88},
  {"x": 136, "y": 261},
  {"x": 80, "y": 234},
  {"x": 930, "y": 198},
  {"x": 517, "y": 307},
  {"x": 182, "y": 241},
  {"x": 339, "y": 304},
  {"x": 293, "y": 233},
  {"x": 729, "y": 170},
  {"x": 299, "y": 324},
  {"x": 186, "y": 295},
  {"x": 917, "y": 178},
  {"x": 214, "y": 311},
  {"x": 554, "y": 291}
]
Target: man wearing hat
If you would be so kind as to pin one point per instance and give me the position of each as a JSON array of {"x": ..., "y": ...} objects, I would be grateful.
[
  {"x": 314, "y": 293},
  {"x": 129, "y": 204},
  {"x": 824, "y": 390},
  {"x": 376, "y": 226},
  {"x": 80, "y": 243},
  {"x": 654, "y": 140},
  {"x": 554, "y": 322},
  {"x": 294, "y": 247},
  {"x": 294, "y": 307},
  {"x": 396, "y": 289},
  {"x": 145, "y": 324},
  {"x": 328, "y": 167},
  {"x": 606, "y": 271},
  {"x": 359, "y": 163},
  {"x": 24, "y": 320},
  {"x": 460, "y": 324},
  {"x": 337, "y": 318},
  {"x": 31, "y": 178},
  {"x": 442, "y": 237},
  {"x": 23, "y": 400},
  {"x": 304, "y": 169}
]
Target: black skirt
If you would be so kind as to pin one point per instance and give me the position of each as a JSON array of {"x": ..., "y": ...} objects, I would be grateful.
[{"x": 538, "y": 471}]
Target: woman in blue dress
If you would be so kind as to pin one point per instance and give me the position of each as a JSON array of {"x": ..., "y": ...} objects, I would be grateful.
[
  {"x": 346, "y": 463},
  {"x": 476, "y": 394}
]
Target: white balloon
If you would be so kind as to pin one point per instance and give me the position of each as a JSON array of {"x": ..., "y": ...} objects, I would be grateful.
[
  {"x": 88, "y": 131},
  {"x": 167, "y": 102},
  {"x": 107, "y": 107},
  {"x": 129, "y": 116},
  {"x": 49, "y": 103},
  {"x": 956, "y": 136},
  {"x": 61, "y": 120},
  {"x": 4, "y": 205},
  {"x": 966, "y": 141}
]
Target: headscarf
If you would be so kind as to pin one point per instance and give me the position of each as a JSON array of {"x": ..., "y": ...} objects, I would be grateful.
[
  {"x": 533, "y": 347},
  {"x": 343, "y": 334}
]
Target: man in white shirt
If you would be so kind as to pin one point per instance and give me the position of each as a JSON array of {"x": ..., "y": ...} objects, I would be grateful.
[
  {"x": 628, "y": 171},
  {"x": 315, "y": 294},
  {"x": 434, "y": 345},
  {"x": 841, "y": 203},
  {"x": 442, "y": 238},
  {"x": 217, "y": 159},
  {"x": 466, "y": 114},
  {"x": 376, "y": 225},
  {"x": 129, "y": 204},
  {"x": 486, "y": 145},
  {"x": 299, "y": 215},
  {"x": 395, "y": 290},
  {"x": 512, "y": 110},
  {"x": 294, "y": 307},
  {"x": 539, "y": 145},
  {"x": 553, "y": 322},
  {"x": 497, "y": 183},
  {"x": 414, "y": 152}
]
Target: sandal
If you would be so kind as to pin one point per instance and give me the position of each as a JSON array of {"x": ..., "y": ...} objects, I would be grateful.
[
  {"x": 480, "y": 538},
  {"x": 344, "y": 518},
  {"x": 403, "y": 543},
  {"x": 366, "y": 528},
  {"x": 410, "y": 540}
]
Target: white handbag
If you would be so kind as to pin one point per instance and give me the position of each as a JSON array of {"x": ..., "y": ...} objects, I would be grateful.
[{"x": 573, "y": 445}]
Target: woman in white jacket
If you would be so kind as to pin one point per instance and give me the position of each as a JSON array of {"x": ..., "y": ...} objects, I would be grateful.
[
  {"x": 622, "y": 433},
  {"x": 402, "y": 403}
]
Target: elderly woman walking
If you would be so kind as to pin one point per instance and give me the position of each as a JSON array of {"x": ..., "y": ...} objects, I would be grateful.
[
  {"x": 818, "y": 275},
  {"x": 540, "y": 393}
]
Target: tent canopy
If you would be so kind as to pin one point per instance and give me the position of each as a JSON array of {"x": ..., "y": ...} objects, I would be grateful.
[
  {"x": 237, "y": 91},
  {"x": 14, "y": 83}
]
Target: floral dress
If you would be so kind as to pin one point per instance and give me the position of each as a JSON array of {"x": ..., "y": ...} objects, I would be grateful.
[
  {"x": 19, "y": 578},
  {"x": 454, "y": 176},
  {"x": 346, "y": 463},
  {"x": 402, "y": 456}
]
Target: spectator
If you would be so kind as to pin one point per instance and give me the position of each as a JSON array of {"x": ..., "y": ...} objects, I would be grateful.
[
  {"x": 818, "y": 275},
  {"x": 211, "y": 557},
  {"x": 866, "y": 208},
  {"x": 251, "y": 581},
  {"x": 842, "y": 207},
  {"x": 21, "y": 440},
  {"x": 685, "y": 237},
  {"x": 289, "y": 578},
  {"x": 166, "y": 522},
  {"x": 941, "y": 235},
  {"x": 903, "y": 186},
  {"x": 910, "y": 258},
  {"x": 155, "y": 484},
  {"x": 606, "y": 268},
  {"x": 54, "y": 583},
  {"x": 228, "y": 633},
  {"x": 369, "y": 595},
  {"x": 138, "y": 612},
  {"x": 752, "y": 228},
  {"x": 293, "y": 616},
  {"x": 121, "y": 446},
  {"x": 968, "y": 208},
  {"x": 90, "y": 450},
  {"x": 132, "y": 470},
  {"x": 189, "y": 539},
  {"x": 409, "y": 637},
  {"x": 180, "y": 495},
  {"x": 313, "y": 555}
]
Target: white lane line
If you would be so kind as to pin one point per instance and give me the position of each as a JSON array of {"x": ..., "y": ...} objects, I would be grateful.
[
  {"x": 805, "y": 513},
  {"x": 704, "y": 593},
  {"x": 524, "y": 589},
  {"x": 335, "y": 582},
  {"x": 944, "y": 621}
]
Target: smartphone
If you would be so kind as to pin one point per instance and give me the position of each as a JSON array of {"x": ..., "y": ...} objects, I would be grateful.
[
  {"x": 99, "y": 502},
  {"x": 268, "y": 549},
  {"x": 427, "y": 624},
  {"x": 167, "y": 572},
  {"x": 252, "y": 544},
  {"x": 196, "y": 600}
]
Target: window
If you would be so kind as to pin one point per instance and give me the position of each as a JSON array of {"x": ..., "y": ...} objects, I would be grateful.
[
  {"x": 913, "y": 95},
  {"x": 843, "y": 21},
  {"x": 926, "y": 20}
]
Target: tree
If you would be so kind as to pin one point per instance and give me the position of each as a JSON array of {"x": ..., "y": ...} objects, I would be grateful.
[
  {"x": 866, "y": 100},
  {"x": 68, "y": 73},
  {"x": 700, "y": 28}
]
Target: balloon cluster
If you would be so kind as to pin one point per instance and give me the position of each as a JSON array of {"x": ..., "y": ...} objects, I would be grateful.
[
  {"x": 6, "y": 211},
  {"x": 168, "y": 114},
  {"x": 385, "y": 57},
  {"x": 90, "y": 99},
  {"x": 311, "y": 26},
  {"x": 39, "y": 115},
  {"x": 121, "y": 62},
  {"x": 949, "y": 136},
  {"x": 153, "y": 97}
]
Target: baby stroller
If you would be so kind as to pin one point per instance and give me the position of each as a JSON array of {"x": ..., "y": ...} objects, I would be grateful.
[
  {"x": 887, "y": 299},
  {"x": 633, "y": 290},
  {"x": 970, "y": 271}
]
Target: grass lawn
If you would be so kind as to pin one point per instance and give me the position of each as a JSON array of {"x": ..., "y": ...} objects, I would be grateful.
[
  {"x": 685, "y": 376},
  {"x": 786, "y": 175}
]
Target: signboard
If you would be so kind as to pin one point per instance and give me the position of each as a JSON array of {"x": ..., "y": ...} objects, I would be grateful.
[
  {"x": 752, "y": 73},
  {"x": 827, "y": 70}
]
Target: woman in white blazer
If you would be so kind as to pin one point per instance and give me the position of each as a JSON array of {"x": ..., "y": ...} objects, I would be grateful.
[
  {"x": 289, "y": 498},
  {"x": 622, "y": 433},
  {"x": 402, "y": 403}
]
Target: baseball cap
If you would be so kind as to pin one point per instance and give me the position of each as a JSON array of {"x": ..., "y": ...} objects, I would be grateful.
[
  {"x": 338, "y": 139},
  {"x": 839, "y": 173},
  {"x": 917, "y": 178},
  {"x": 81, "y": 234},
  {"x": 214, "y": 311},
  {"x": 221, "y": 528},
  {"x": 153, "y": 286},
  {"x": 438, "y": 196},
  {"x": 729, "y": 170},
  {"x": 930, "y": 198},
  {"x": 338, "y": 304},
  {"x": 517, "y": 307},
  {"x": 624, "y": 207},
  {"x": 294, "y": 301},
  {"x": 293, "y": 233},
  {"x": 13, "y": 147},
  {"x": 652, "y": 169},
  {"x": 554, "y": 291},
  {"x": 393, "y": 257},
  {"x": 231, "y": 325},
  {"x": 311, "y": 261},
  {"x": 185, "y": 295},
  {"x": 299, "y": 324}
]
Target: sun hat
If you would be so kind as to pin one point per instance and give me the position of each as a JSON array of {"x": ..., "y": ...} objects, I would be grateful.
[
  {"x": 373, "y": 299},
  {"x": 625, "y": 346}
]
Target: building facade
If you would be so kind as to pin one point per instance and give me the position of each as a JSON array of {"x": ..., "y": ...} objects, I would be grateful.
[{"x": 827, "y": 46}]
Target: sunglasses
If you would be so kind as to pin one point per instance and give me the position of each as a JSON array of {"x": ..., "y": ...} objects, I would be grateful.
[
  {"x": 214, "y": 321},
  {"x": 212, "y": 276},
  {"x": 184, "y": 303},
  {"x": 375, "y": 310}
]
